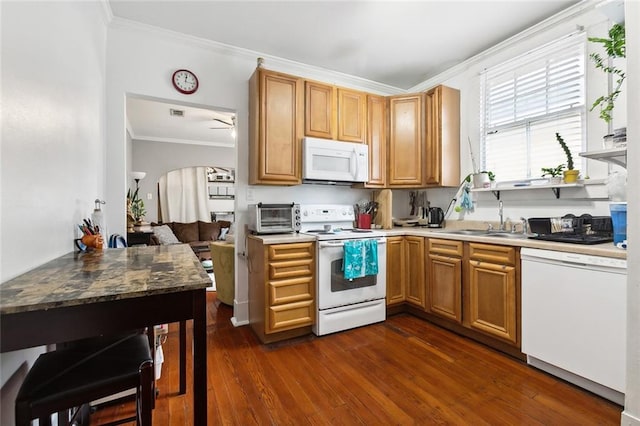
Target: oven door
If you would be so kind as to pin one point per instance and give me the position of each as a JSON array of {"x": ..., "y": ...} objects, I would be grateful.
[{"x": 334, "y": 290}]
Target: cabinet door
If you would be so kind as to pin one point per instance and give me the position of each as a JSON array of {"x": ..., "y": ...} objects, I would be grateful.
[
  {"x": 395, "y": 270},
  {"x": 442, "y": 141},
  {"x": 290, "y": 316},
  {"x": 320, "y": 110},
  {"x": 415, "y": 279},
  {"x": 406, "y": 136},
  {"x": 444, "y": 284},
  {"x": 492, "y": 299},
  {"x": 377, "y": 140},
  {"x": 275, "y": 128},
  {"x": 352, "y": 116}
]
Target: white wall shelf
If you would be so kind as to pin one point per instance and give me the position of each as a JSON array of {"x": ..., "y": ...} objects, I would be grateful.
[
  {"x": 617, "y": 156},
  {"x": 555, "y": 187}
]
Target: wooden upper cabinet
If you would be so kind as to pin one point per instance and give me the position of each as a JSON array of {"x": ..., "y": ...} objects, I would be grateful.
[
  {"x": 352, "y": 116},
  {"x": 377, "y": 140},
  {"x": 406, "y": 136},
  {"x": 320, "y": 110},
  {"x": 335, "y": 113},
  {"x": 275, "y": 129},
  {"x": 442, "y": 142}
]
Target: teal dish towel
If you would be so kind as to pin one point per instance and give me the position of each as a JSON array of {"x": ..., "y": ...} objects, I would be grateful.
[{"x": 360, "y": 258}]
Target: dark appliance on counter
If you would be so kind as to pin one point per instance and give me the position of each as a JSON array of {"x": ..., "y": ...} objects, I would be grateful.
[
  {"x": 583, "y": 229},
  {"x": 435, "y": 217}
]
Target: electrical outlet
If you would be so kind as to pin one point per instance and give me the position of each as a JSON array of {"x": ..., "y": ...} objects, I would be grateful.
[
  {"x": 249, "y": 194},
  {"x": 149, "y": 196}
]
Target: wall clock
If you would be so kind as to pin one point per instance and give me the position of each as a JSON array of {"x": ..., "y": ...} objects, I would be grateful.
[{"x": 185, "y": 81}]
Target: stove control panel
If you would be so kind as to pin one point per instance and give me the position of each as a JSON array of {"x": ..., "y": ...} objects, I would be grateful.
[{"x": 326, "y": 213}]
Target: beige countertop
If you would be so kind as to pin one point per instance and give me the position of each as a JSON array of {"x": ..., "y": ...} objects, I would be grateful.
[
  {"x": 605, "y": 250},
  {"x": 104, "y": 275},
  {"x": 283, "y": 238}
]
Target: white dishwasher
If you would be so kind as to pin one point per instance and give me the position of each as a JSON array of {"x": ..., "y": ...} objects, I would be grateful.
[{"x": 574, "y": 318}]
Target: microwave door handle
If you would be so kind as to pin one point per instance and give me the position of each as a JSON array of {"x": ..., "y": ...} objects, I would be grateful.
[{"x": 354, "y": 161}]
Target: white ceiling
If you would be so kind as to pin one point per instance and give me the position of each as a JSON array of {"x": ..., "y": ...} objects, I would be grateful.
[
  {"x": 151, "y": 120},
  {"x": 398, "y": 43}
]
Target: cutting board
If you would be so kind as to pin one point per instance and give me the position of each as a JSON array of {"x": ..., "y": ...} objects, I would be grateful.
[{"x": 384, "y": 217}]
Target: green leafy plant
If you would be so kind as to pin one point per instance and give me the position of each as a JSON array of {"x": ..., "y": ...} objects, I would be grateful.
[
  {"x": 135, "y": 205},
  {"x": 492, "y": 176},
  {"x": 615, "y": 46},
  {"x": 567, "y": 151},
  {"x": 553, "y": 171}
]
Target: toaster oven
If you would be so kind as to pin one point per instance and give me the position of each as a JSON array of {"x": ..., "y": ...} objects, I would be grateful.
[{"x": 274, "y": 218}]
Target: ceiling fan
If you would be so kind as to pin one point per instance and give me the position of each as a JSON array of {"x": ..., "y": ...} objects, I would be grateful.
[{"x": 227, "y": 124}]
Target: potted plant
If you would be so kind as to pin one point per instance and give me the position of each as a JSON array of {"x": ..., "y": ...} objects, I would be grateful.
[
  {"x": 554, "y": 173},
  {"x": 135, "y": 207},
  {"x": 615, "y": 47},
  {"x": 481, "y": 179},
  {"x": 570, "y": 175}
]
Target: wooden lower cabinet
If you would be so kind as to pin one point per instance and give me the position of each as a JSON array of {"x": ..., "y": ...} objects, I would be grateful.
[
  {"x": 405, "y": 270},
  {"x": 474, "y": 289},
  {"x": 395, "y": 270},
  {"x": 281, "y": 289},
  {"x": 492, "y": 286},
  {"x": 444, "y": 279},
  {"x": 415, "y": 285}
]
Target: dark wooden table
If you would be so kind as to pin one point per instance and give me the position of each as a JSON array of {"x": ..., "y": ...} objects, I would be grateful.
[
  {"x": 106, "y": 291},
  {"x": 139, "y": 237}
]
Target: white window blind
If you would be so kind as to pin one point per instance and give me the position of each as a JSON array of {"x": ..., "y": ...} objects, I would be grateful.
[{"x": 525, "y": 101}]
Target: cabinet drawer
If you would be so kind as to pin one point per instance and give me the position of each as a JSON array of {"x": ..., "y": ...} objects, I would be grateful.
[
  {"x": 291, "y": 251},
  {"x": 290, "y": 269},
  {"x": 492, "y": 253},
  {"x": 289, "y": 291},
  {"x": 450, "y": 247},
  {"x": 289, "y": 316}
]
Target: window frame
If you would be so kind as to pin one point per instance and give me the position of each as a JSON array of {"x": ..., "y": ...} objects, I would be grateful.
[{"x": 513, "y": 68}]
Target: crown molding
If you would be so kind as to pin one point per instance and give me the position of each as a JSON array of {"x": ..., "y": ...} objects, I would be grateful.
[
  {"x": 557, "y": 19},
  {"x": 107, "y": 12},
  {"x": 274, "y": 63}
]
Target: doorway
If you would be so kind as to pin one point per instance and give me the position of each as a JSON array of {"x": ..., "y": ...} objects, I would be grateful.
[{"x": 165, "y": 135}]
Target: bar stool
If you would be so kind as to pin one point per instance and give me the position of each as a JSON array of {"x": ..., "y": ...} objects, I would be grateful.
[{"x": 76, "y": 375}]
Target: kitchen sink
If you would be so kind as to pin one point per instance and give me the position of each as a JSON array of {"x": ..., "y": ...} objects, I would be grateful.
[
  {"x": 467, "y": 232},
  {"x": 505, "y": 234},
  {"x": 486, "y": 233}
]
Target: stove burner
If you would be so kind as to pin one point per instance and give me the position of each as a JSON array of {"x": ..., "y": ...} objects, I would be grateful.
[{"x": 319, "y": 231}]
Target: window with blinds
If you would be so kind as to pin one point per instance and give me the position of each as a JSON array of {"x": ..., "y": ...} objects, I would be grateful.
[{"x": 525, "y": 101}]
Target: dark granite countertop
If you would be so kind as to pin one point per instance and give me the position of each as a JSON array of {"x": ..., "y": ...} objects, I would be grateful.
[{"x": 104, "y": 275}]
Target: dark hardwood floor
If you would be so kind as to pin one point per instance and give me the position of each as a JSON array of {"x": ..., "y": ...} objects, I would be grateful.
[{"x": 403, "y": 371}]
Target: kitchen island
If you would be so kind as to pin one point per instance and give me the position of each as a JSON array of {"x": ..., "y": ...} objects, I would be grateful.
[{"x": 81, "y": 295}]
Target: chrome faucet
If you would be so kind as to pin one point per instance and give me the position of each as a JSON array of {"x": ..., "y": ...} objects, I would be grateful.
[
  {"x": 525, "y": 225},
  {"x": 500, "y": 212}
]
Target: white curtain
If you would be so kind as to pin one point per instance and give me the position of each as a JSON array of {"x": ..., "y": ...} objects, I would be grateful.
[{"x": 183, "y": 195}]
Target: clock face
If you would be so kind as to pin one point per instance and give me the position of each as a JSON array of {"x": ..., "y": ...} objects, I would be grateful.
[{"x": 185, "y": 81}]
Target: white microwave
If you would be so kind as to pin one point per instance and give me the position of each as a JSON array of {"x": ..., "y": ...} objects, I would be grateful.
[{"x": 330, "y": 161}]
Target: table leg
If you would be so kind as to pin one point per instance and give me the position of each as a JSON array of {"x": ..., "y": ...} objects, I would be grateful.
[
  {"x": 182, "y": 357},
  {"x": 200, "y": 357}
]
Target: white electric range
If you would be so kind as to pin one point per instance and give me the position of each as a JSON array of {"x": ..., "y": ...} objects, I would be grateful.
[{"x": 343, "y": 303}]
